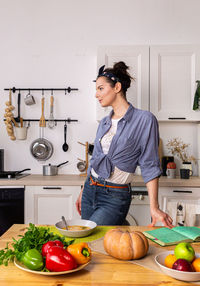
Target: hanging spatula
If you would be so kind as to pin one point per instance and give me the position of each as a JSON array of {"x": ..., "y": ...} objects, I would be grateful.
[
  {"x": 42, "y": 118},
  {"x": 51, "y": 122}
]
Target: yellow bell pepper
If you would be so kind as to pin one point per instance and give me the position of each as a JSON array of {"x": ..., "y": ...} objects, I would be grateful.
[{"x": 80, "y": 252}]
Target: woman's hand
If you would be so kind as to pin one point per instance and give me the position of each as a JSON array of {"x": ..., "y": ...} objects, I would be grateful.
[
  {"x": 158, "y": 215},
  {"x": 78, "y": 202}
]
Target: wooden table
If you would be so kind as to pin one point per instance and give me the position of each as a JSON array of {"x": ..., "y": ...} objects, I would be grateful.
[{"x": 103, "y": 270}]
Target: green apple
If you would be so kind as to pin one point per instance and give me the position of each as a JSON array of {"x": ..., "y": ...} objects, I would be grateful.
[{"x": 185, "y": 251}]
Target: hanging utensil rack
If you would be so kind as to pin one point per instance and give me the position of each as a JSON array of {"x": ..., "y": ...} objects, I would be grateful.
[
  {"x": 68, "y": 120},
  {"x": 68, "y": 89}
]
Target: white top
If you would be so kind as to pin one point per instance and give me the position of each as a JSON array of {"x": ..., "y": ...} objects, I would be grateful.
[{"x": 118, "y": 176}]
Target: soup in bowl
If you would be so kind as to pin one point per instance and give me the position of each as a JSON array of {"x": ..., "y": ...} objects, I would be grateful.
[{"x": 76, "y": 227}]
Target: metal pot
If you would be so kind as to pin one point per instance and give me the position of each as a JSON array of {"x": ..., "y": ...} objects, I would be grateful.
[{"x": 52, "y": 170}]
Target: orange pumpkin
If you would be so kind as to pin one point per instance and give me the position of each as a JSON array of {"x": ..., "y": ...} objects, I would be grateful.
[
  {"x": 171, "y": 165},
  {"x": 125, "y": 245}
]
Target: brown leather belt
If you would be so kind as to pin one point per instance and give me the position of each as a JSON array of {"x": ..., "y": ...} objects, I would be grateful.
[{"x": 107, "y": 186}]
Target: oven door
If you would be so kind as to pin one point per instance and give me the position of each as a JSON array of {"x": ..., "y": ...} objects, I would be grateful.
[{"x": 11, "y": 207}]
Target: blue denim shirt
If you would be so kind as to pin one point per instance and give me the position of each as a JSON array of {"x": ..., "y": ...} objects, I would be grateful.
[{"x": 135, "y": 143}]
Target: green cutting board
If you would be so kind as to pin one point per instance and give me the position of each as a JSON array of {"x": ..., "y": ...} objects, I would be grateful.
[{"x": 99, "y": 232}]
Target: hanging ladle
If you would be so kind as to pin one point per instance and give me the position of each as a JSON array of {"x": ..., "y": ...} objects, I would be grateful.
[{"x": 65, "y": 145}]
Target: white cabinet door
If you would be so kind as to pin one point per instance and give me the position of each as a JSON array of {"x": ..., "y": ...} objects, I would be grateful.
[
  {"x": 173, "y": 74},
  {"x": 46, "y": 205},
  {"x": 182, "y": 204},
  {"x": 137, "y": 58}
]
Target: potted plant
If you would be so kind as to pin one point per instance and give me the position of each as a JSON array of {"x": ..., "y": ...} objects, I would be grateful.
[
  {"x": 171, "y": 165},
  {"x": 178, "y": 148}
]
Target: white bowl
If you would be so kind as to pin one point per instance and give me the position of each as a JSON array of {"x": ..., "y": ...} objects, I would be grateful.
[
  {"x": 180, "y": 275},
  {"x": 76, "y": 233}
]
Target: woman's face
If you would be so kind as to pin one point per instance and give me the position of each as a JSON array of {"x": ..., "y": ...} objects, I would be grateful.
[{"x": 105, "y": 93}]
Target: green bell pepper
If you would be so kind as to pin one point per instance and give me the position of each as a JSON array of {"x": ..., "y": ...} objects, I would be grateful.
[{"x": 33, "y": 259}]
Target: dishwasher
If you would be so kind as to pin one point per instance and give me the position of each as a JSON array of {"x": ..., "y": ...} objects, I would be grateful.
[
  {"x": 139, "y": 211},
  {"x": 11, "y": 206}
]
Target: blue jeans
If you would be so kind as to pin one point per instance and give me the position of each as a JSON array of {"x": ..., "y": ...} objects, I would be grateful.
[{"x": 104, "y": 205}]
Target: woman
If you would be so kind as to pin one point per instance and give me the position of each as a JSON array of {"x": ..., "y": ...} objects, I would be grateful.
[{"x": 128, "y": 137}]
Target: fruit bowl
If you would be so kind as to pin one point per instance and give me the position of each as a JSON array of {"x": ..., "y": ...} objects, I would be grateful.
[{"x": 180, "y": 275}]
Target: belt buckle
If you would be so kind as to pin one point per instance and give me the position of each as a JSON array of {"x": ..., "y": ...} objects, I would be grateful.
[{"x": 92, "y": 182}]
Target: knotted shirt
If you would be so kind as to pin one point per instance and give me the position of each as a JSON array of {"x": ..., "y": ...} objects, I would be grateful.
[{"x": 135, "y": 143}]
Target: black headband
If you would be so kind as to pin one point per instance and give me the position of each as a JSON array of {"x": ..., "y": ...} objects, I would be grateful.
[{"x": 107, "y": 74}]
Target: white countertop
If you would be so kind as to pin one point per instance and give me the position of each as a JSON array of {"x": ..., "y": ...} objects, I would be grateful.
[{"x": 78, "y": 180}]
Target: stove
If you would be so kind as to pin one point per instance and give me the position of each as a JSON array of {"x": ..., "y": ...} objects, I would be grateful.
[{"x": 13, "y": 176}]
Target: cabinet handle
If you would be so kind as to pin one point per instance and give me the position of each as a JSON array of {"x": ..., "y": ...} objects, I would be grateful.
[
  {"x": 52, "y": 188},
  {"x": 178, "y": 191},
  {"x": 176, "y": 118}
]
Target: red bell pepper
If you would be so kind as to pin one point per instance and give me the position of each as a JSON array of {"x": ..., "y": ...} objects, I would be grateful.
[
  {"x": 59, "y": 259},
  {"x": 49, "y": 244}
]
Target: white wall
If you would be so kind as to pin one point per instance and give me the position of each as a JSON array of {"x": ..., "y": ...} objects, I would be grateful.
[{"x": 53, "y": 43}]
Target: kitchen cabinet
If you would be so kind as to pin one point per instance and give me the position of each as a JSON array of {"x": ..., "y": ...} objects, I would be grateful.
[
  {"x": 173, "y": 74},
  {"x": 165, "y": 78},
  {"x": 137, "y": 58},
  {"x": 46, "y": 204},
  {"x": 182, "y": 203},
  {"x": 139, "y": 212}
]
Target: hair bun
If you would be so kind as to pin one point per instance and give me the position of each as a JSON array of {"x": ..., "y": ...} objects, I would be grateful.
[
  {"x": 119, "y": 70},
  {"x": 121, "y": 67}
]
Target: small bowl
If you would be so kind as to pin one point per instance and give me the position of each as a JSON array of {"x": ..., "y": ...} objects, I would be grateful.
[
  {"x": 76, "y": 233},
  {"x": 180, "y": 275}
]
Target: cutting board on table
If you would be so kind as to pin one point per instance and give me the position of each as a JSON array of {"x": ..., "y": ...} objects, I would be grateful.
[
  {"x": 147, "y": 262},
  {"x": 98, "y": 233}
]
